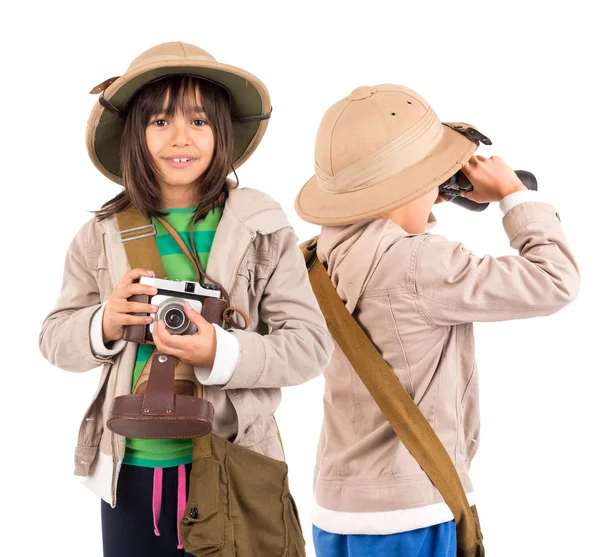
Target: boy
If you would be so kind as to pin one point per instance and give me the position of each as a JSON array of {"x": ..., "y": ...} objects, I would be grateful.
[{"x": 381, "y": 154}]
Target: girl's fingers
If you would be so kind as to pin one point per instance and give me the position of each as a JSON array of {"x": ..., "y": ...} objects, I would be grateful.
[
  {"x": 163, "y": 341},
  {"x": 130, "y": 307},
  {"x": 120, "y": 319},
  {"x": 137, "y": 288},
  {"x": 133, "y": 274}
]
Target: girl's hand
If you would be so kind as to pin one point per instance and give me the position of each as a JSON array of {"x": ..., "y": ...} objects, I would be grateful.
[
  {"x": 492, "y": 179},
  {"x": 117, "y": 310},
  {"x": 198, "y": 349}
]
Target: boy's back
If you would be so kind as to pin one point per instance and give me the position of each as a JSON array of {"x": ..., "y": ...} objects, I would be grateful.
[{"x": 416, "y": 296}]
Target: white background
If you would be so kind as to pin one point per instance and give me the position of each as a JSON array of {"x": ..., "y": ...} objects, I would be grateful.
[{"x": 525, "y": 74}]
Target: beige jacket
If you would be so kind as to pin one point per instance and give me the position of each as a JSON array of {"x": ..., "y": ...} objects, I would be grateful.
[
  {"x": 417, "y": 296},
  {"x": 255, "y": 256}
]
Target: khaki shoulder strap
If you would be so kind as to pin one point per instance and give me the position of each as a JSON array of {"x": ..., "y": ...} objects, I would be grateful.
[
  {"x": 138, "y": 235},
  {"x": 402, "y": 413}
]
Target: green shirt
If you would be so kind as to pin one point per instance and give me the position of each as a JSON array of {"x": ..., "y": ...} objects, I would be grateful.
[{"x": 162, "y": 453}]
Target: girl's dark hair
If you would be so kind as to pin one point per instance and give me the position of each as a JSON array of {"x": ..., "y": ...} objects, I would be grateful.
[{"x": 138, "y": 169}]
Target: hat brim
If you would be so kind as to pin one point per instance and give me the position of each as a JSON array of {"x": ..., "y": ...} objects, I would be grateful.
[
  {"x": 249, "y": 97},
  {"x": 336, "y": 209}
]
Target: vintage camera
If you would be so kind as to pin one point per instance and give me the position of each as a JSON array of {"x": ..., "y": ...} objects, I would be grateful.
[{"x": 206, "y": 299}]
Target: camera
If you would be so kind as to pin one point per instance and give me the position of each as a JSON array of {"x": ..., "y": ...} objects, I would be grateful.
[{"x": 204, "y": 298}]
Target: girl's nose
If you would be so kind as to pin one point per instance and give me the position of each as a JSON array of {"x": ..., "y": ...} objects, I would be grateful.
[{"x": 180, "y": 131}]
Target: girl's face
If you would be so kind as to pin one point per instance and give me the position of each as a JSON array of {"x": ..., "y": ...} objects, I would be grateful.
[{"x": 182, "y": 136}]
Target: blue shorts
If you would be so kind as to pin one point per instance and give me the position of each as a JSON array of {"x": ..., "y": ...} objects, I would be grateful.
[{"x": 434, "y": 541}]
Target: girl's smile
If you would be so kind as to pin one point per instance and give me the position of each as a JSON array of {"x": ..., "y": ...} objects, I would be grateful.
[{"x": 180, "y": 161}]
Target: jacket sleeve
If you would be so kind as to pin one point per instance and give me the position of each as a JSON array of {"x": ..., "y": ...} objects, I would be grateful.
[
  {"x": 299, "y": 345},
  {"x": 453, "y": 285},
  {"x": 65, "y": 336}
]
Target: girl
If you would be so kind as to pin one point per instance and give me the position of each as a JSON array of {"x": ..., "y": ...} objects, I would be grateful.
[
  {"x": 170, "y": 130},
  {"x": 381, "y": 154}
]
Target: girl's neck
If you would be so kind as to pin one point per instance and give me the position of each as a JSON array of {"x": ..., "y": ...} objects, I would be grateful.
[{"x": 178, "y": 198}]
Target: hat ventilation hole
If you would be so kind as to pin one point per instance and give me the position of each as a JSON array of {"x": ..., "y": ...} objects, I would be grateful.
[
  {"x": 393, "y": 113},
  {"x": 409, "y": 102}
]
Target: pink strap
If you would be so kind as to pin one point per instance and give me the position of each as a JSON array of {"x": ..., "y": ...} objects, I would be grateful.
[
  {"x": 157, "y": 497},
  {"x": 181, "y": 500}
]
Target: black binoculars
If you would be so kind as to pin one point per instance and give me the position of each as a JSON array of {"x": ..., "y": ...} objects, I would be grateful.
[{"x": 459, "y": 183}]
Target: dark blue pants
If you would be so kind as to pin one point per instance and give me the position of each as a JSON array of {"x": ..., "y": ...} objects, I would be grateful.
[{"x": 127, "y": 530}]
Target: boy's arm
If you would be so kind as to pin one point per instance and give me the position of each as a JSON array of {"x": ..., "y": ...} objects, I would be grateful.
[
  {"x": 299, "y": 345},
  {"x": 65, "y": 336},
  {"x": 453, "y": 285}
]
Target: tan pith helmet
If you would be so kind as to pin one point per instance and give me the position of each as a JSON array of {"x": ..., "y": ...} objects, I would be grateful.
[
  {"x": 250, "y": 101},
  {"x": 378, "y": 149}
]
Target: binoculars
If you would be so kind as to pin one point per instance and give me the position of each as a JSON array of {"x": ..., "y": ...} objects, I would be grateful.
[
  {"x": 453, "y": 187},
  {"x": 459, "y": 183}
]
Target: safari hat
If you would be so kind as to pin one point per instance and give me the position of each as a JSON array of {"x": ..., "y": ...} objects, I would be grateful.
[
  {"x": 378, "y": 149},
  {"x": 249, "y": 100}
]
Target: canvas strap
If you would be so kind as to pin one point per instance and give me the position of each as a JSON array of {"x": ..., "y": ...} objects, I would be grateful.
[{"x": 401, "y": 412}]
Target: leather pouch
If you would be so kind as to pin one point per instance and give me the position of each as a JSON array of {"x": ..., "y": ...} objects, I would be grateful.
[{"x": 159, "y": 412}]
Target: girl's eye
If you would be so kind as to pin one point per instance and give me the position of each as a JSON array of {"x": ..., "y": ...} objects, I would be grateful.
[{"x": 202, "y": 123}]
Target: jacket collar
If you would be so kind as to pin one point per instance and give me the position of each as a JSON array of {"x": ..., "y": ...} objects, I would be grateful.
[{"x": 352, "y": 253}]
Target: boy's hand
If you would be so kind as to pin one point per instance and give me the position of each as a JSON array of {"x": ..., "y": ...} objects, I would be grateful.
[
  {"x": 492, "y": 179},
  {"x": 198, "y": 349}
]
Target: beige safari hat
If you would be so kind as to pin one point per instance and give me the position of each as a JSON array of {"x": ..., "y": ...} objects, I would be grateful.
[
  {"x": 249, "y": 99},
  {"x": 378, "y": 149}
]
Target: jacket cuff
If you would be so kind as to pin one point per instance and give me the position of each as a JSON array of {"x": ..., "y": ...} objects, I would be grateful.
[
  {"x": 516, "y": 198},
  {"x": 525, "y": 214},
  {"x": 227, "y": 359},
  {"x": 251, "y": 361},
  {"x": 96, "y": 340}
]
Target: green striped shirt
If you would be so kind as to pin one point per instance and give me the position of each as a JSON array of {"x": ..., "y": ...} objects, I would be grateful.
[{"x": 162, "y": 453}]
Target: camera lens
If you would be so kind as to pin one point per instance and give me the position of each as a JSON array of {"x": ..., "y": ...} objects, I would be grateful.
[{"x": 174, "y": 318}]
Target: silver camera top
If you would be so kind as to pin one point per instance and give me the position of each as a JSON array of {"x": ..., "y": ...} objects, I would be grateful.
[{"x": 183, "y": 287}]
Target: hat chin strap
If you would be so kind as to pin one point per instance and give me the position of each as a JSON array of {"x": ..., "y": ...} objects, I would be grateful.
[
  {"x": 110, "y": 107},
  {"x": 244, "y": 119}
]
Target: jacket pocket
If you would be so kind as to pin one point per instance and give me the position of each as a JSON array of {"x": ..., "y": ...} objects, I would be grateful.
[
  {"x": 203, "y": 524},
  {"x": 98, "y": 262},
  {"x": 251, "y": 281}
]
